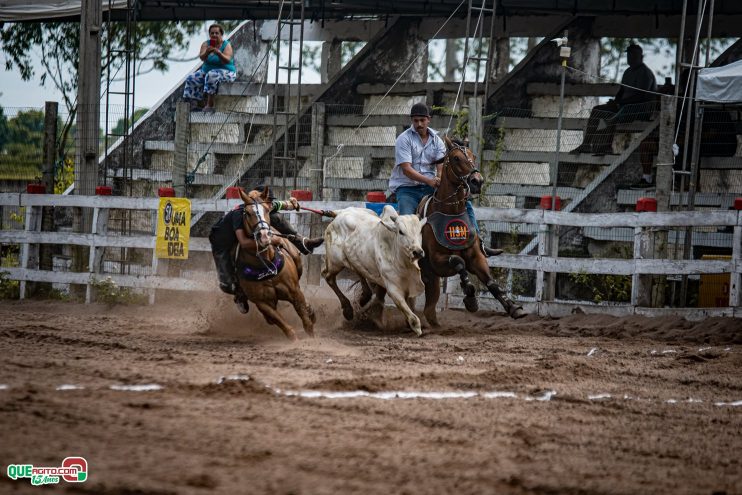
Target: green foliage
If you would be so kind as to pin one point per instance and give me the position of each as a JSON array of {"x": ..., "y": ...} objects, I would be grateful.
[
  {"x": 19, "y": 217},
  {"x": 64, "y": 175},
  {"x": 22, "y": 137},
  {"x": 4, "y": 132},
  {"x": 613, "y": 288},
  {"x": 157, "y": 44},
  {"x": 9, "y": 289},
  {"x": 490, "y": 167},
  {"x": 461, "y": 124},
  {"x": 119, "y": 128},
  {"x": 108, "y": 292}
]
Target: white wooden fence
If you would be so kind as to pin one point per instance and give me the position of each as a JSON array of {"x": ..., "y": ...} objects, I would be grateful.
[{"x": 542, "y": 263}]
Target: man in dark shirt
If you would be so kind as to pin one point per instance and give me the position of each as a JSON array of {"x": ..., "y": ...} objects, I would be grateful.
[
  {"x": 229, "y": 230},
  {"x": 634, "y": 101}
]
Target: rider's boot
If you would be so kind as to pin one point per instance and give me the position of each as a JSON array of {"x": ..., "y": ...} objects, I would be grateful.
[
  {"x": 225, "y": 272},
  {"x": 305, "y": 245},
  {"x": 488, "y": 251}
]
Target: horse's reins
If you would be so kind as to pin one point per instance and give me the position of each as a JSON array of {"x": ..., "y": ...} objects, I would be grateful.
[{"x": 462, "y": 180}]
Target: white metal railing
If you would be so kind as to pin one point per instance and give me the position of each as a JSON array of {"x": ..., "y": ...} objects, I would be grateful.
[{"x": 642, "y": 223}]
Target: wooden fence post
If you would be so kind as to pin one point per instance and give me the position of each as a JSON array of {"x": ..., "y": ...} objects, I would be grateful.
[
  {"x": 180, "y": 157},
  {"x": 641, "y": 285},
  {"x": 317, "y": 165},
  {"x": 735, "y": 277}
]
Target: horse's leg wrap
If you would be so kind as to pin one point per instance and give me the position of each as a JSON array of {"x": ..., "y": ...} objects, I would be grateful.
[
  {"x": 470, "y": 300},
  {"x": 515, "y": 311}
]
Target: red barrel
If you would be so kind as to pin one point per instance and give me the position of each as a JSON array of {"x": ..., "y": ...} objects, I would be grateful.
[
  {"x": 738, "y": 203},
  {"x": 546, "y": 203},
  {"x": 646, "y": 204},
  {"x": 302, "y": 194},
  {"x": 233, "y": 193},
  {"x": 103, "y": 190},
  {"x": 376, "y": 197},
  {"x": 166, "y": 192},
  {"x": 36, "y": 189}
]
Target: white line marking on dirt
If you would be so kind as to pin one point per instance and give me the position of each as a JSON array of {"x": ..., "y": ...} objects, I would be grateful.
[
  {"x": 66, "y": 386},
  {"x": 736, "y": 403},
  {"x": 592, "y": 351},
  {"x": 147, "y": 387},
  {"x": 229, "y": 378},
  {"x": 601, "y": 396},
  {"x": 3, "y": 386},
  {"x": 546, "y": 396}
]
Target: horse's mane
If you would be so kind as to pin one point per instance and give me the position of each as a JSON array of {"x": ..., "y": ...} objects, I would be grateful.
[{"x": 460, "y": 142}]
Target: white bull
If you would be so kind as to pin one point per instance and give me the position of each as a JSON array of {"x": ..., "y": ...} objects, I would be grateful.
[{"x": 383, "y": 251}]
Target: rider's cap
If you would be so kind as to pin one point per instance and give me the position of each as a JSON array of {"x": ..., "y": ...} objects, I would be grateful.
[
  {"x": 419, "y": 110},
  {"x": 634, "y": 48}
]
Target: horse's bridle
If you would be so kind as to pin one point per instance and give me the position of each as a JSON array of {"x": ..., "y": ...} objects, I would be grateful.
[
  {"x": 461, "y": 180},
  {"x": 447, "y": 163},
  {"x": 260, "y": 225}
]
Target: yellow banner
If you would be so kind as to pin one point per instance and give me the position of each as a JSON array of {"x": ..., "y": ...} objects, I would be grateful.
[{"x": 173, "y": 228}]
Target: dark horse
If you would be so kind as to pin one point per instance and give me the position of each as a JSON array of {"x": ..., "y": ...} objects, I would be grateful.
[
  {"x": 446, "y": 209},
  {"x": 272, "y": 272}
]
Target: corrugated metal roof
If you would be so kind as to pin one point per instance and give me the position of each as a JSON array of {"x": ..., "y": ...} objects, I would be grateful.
[{"x": 29, "y": 10}]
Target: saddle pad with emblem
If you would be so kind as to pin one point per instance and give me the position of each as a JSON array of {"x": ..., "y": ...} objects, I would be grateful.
[
  {"x": 453, "y": 232},
  {"x": 261, "y": 273}
]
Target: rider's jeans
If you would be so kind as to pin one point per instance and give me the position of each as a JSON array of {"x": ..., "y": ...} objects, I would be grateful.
[{"x": 408, "y": 197}]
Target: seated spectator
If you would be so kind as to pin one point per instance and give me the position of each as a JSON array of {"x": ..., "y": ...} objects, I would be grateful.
[
  {"x": 218, "y": 57},
  {"x": 634, "y": 101}
]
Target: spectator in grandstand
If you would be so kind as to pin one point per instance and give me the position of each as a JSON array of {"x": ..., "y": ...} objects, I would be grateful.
[
  {"x": 419, "y": 153},
  {"x": 229, "y": 231},
  {"x": 218, "y": 57},
  {"x": 636, "y": 100}
]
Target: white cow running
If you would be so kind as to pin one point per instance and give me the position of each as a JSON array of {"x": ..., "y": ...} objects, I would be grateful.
[{"x": 383, "y": 251}]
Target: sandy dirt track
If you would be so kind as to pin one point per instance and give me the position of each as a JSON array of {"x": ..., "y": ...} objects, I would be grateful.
[{"x": 635, "y": 405}]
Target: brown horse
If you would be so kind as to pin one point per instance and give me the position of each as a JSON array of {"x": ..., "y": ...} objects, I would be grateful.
[
  {"x": 447, "y": 209},
  {"x": 272, "y": 272}
]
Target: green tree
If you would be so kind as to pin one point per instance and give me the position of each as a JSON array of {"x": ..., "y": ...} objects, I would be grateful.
[
  {"x": 119, "y": 127},
  {"x": 52, "y": 50},
  {"x": 4, "y": 135},
  {"x": 21, "y": 154}
]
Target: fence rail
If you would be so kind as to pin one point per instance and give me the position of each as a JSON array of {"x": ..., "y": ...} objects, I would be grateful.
[{"x": 644, "y": 225}]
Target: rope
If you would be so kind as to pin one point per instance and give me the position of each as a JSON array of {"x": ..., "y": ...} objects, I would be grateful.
[
  {"x": 190, "y": 177},
  {"x": 463, "y": 69},
  {"x": 423, "y": 50}
]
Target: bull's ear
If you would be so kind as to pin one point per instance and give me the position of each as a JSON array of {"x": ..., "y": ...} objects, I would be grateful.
[
  {"x": 448, "y": 142},
  {"x": 244, "y": 196},
  {"x": 423, "y": 222}
]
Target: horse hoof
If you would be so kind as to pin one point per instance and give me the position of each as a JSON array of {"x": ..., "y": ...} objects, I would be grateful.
[
  {"x": 348, "y": 313},
  {"x": 471, "y": 304},
  {"x": 516, "y": 312}
]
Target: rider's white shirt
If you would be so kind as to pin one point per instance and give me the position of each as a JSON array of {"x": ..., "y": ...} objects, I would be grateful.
[{"x": 409, "y": 148}]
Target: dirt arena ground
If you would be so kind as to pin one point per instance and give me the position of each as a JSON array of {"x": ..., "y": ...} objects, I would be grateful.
[{"x": 584, "y": 404}]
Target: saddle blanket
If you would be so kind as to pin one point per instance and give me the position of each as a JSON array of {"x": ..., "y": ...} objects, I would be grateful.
[
  {"x": 256, "y": 274},
  {"x": 453, "y": 232}
]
